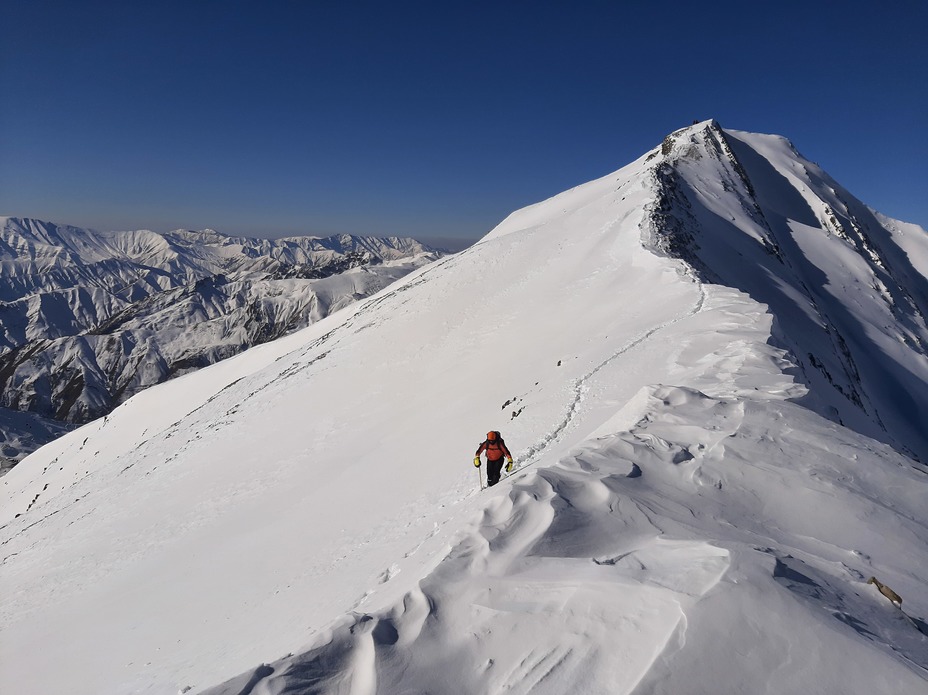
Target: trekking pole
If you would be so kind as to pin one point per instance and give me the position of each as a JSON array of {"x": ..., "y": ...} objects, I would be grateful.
[{"x": 480, "y": 475}]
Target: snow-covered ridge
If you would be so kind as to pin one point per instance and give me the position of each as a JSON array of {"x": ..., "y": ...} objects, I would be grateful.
[
  {"x": 90, "y": 318},
  {"x": 687, "y": 514},
  {"x": 847, "y": 287}
]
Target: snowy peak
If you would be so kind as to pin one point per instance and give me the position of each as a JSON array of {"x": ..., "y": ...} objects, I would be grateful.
[
  {"x": 848, "y": 293},
  {"x": 846, "y": 286}
]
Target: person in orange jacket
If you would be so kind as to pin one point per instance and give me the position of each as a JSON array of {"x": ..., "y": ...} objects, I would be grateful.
[{"x": 496, "y": 449}]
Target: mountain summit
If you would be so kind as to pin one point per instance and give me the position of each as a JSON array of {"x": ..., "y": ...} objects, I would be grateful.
[
  {"x": 710, "y": 368},
  {"x": 846, "y": 286}
]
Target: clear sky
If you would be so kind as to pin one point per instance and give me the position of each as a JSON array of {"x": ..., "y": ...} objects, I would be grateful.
[{"x": 431, "y": 119}]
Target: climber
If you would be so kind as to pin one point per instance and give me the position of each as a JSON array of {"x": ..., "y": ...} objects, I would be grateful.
[{"x": 496, "y": 449}]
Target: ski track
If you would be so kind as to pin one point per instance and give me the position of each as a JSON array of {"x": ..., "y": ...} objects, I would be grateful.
[{"x": 535, "y": 452}]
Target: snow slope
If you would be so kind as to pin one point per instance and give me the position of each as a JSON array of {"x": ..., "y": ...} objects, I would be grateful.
[
  {"x": 684, "y": 518},
  {"x": 88, "y": 319}
]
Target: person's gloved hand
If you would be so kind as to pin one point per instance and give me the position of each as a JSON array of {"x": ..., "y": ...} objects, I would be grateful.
[
  {"x": 477, "y": 461},
  {"x": 509, "y": 466}
]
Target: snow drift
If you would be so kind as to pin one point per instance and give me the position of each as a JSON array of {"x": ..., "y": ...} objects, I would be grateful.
[{"x": 710, "y": 366}]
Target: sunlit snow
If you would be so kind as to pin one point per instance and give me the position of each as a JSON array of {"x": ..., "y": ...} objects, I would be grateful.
[{"x": 688, "y": 513}]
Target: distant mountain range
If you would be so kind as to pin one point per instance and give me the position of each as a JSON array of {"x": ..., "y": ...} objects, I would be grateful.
[{"x": 88, "y": 318}]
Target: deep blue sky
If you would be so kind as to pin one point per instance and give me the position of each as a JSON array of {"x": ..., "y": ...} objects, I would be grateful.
[{"x": 431, "y": 118}]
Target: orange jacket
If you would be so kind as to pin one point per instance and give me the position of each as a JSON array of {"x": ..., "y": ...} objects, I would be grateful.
[{"x": 495, "y": 450}]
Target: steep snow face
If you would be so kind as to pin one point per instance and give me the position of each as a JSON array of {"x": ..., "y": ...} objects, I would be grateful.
[
  {"x": 91, "y": 318},
  {"x": 847, "y": 287},
  {"x": 674, "y": 502}
]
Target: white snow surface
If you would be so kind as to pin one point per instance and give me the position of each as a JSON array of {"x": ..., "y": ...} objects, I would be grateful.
[{"x": 683, "y": 517}]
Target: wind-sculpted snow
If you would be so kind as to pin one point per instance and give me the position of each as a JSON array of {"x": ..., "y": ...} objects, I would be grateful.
[
  {"x": 680, "y": 519},
  {"x": 91, "y": 318},
  {"x": 645, "y": 560}
]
